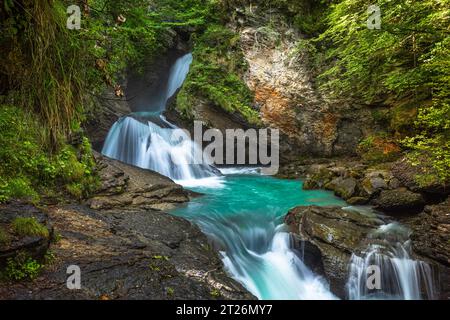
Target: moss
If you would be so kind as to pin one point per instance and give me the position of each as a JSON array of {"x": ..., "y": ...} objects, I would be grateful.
[
  {"x": 375, "y": 149},
  {"x": 170, "y": 291},
  {"x": 28, "y": 170},
  {"x": 215, "y": 293},
  {"x": 29, "y": 227},
  {"x": 4, "y": 237}
]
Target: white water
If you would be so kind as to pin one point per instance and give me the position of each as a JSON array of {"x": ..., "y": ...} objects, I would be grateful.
[
  {"x": 402, "y": 277},
  {"x": 149, "y": 141}
]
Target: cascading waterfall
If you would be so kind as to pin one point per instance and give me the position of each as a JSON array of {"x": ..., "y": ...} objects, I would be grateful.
[
  {"x": 401, "y": 276},
  {"x": 242, "y": 212},
  {"x": 149, "y": 141}
]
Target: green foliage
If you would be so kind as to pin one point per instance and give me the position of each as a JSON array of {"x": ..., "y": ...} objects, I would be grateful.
[
  {"x": 405, "y": 65},
  {"x": 215, "y": 293},
  {"x": 215, "y": 75},
  {"x": 27, "y": 169},
  {"x": 22, "y": 267},
  {"x": 170, "y": 291},
  {"x": 29, "y": 227}
]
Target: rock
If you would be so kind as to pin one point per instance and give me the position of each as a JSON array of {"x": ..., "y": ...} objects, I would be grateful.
[
  {"x": 399, "y": 201},
  {"x": 358, "y": 201},
  {"x": 33, "y": 246},
  {"x": 334, "y": 234},
  {"x": 107, "y": 110},
  {"x": 129, "y": 253},
  {"x": 373, "y": 184},
  {"x": 343, "y": 187},
  {"x": 431, "y": 240},
  {"x": 123, "y": 185},
  {"x": 409, "y": 176}
]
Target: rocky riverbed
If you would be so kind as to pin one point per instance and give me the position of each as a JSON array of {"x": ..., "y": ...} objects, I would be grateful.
[
  {"x": 326, "y": 237},
  {"x": 124, "y": 244}
]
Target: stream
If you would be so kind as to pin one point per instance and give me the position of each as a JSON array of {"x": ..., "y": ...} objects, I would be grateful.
[{"x": 242, "y": 213}]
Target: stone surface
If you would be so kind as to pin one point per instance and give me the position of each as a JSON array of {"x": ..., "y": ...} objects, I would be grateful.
[
  {"x": 408, "y": 176},
  {"x": 123, "y": 185},
  {"x": 343, "y": 187},
  {"x": 34, "y": 246},
  {"x": 333, "y": 234},
  {"x": 128, "y": 254},
  {"x": 399, "y": 201},
  {"x": 431, "y": 240}
]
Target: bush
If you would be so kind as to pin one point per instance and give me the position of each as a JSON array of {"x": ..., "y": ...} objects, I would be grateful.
[
  {"x": 27, "y": 169},
  {"x": 29, "y": 227},
  {"x": 22, "y": 267}
]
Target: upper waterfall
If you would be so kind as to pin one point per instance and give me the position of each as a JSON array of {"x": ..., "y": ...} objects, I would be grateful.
[{"x": 149, "y": 141}]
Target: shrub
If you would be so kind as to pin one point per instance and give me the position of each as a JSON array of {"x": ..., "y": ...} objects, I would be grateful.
[
  {"x": 29, "y": 227},
  {"x": 22, "y": 267},
  {"x": 27, "y": 169}
]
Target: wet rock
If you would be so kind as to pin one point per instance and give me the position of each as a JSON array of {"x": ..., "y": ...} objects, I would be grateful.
[
  {"x": 335, "y": 234},
  {"x": 358, "y": 201},
  {"x": 128, "y": 254},
  {"x": 431, "y": 240},
  {"x": 124, "y": 185},
  {"x": 108, "y": 109},
  {"x": 343, "y": 187},
  {"x": 373, "y": 183},
  {"x": 33, "y": 246},
  {"x": 409, "y": 176},
  {"x": 399, "y": 201}
]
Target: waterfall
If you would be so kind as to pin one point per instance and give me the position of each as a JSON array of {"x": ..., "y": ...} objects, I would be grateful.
[
  {"x": 149, "y": 141},
  {"x": 402, "y": 277},
  {"x": 178, "y": 74}
]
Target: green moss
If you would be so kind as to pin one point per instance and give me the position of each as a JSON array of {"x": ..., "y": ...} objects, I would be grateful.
[
  {"x": 170, "y": 291},
  {"x": 375, "y": 149},
  {"x": 29, "y": 227},
  {"x": 215, "y": 293}
]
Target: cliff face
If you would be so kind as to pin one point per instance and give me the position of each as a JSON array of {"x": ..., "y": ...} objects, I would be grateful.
[
  {"x": 278, "y": 73},
  {"x": 288, "y": 100}
]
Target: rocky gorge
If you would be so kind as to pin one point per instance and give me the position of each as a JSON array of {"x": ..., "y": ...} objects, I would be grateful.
[{"x": 348, "y": 195}]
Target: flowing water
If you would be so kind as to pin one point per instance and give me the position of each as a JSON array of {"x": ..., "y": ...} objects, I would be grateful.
[
  {"x": 401, "y": 276},
  {"x": 242, "y": 213},
  {"x": 244, "y": 218}
]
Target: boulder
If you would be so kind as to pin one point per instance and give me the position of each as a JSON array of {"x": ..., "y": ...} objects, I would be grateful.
[
  {"x": 343, "y": 187},
  {"x": 410, "y": 176},
  {"x": 373, "y": 184},
  {"x": 123, "y": 185},
  {"x": 431, "y": 240},
  {"x": 399, "y": 201},
  {"x": 333, "y": 234},
  {"x": 33, "y": 246},
  {"x": 358, "y": 201}
]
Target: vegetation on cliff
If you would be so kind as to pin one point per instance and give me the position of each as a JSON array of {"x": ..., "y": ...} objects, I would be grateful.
[{"x": 50, "y": 74}]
